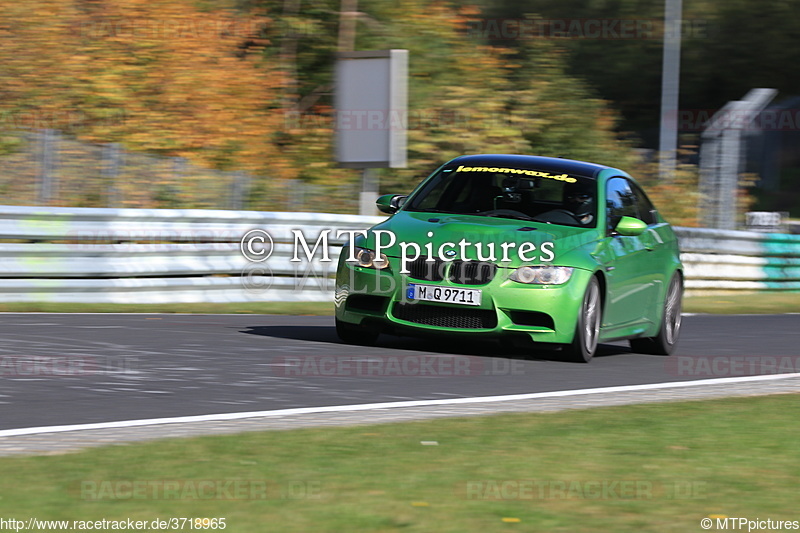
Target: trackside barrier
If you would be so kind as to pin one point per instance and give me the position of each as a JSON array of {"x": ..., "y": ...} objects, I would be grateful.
[
  {"x": 181, "y": 256},
  {"x": 739, "y": 260},
  {"x": 162, "y": 255}
]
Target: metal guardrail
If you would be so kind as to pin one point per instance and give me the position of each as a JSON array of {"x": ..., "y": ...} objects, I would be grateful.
[
  {"x": 174, "y": 256},
  {"x": 739, "y": 260},
  {"x": 161, "y": 255}
]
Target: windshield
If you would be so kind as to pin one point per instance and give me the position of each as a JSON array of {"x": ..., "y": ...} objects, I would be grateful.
[{"x": 524, "y": 194}]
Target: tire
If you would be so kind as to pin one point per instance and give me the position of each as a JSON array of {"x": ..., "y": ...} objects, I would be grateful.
[
  {"x": 353, "y": 334},
  {"x": 587, "y": 330},
  {"x": 669, "y": 331}
]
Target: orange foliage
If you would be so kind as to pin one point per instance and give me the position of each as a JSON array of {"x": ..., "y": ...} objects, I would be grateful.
[{"x": 158, "y": 76}]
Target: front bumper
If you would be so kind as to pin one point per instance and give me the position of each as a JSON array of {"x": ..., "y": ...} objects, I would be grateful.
[{"x": 544, "y": 313}]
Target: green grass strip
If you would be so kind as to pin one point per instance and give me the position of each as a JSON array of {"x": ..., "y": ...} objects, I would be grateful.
[
  {"x": 714, "y": 303},
  {"x": 743, "y": 303},
  {"x": 640, "y": 468},
  {"x": 269, "y": 308}
]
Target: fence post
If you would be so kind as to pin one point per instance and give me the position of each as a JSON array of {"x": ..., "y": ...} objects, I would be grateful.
[
  {"x": 239, "y": 188},
  {"x": 294, "y": 194},
  {"x": 180, "y": 169},
  {"x": 48, "y": 162},
  {"x": 721, "y": 157},
  {"x": 112, "y": 156}
]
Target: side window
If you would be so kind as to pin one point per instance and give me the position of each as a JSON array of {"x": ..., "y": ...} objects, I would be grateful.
[
  {"x": 647, "y": 212},
  {"x": 620, "y": 201}
]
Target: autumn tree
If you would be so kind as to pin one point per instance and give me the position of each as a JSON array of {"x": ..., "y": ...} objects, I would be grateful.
[{"x": 158, "y": 76}]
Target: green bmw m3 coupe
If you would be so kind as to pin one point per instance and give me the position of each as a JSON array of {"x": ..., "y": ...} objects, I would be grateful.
[{"x": 547, "y": 250}]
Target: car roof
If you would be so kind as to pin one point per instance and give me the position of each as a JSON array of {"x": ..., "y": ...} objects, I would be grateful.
[{"x": 549, "y": 164}]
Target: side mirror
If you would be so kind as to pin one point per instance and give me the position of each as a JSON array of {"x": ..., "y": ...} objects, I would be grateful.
[
  {"x": 630, "y": 227},
  {"x": 390, "y": 203}
]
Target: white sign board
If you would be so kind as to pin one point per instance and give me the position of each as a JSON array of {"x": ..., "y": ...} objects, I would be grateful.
[
  {"x": 371, "y": 101},
  {"x": 764, "y": 220}
]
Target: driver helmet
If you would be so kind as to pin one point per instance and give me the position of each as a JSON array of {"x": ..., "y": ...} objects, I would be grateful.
[{"x": 579, "y": 198}]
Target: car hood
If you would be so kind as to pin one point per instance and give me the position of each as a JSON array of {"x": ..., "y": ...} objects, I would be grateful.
[{"x": 432, "y": 231}]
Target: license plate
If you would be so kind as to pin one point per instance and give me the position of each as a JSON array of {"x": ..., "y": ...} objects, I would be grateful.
[{"x": 450, "y": 295}]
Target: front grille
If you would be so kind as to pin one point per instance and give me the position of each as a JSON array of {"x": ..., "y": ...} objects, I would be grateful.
[
  {"x": 472, "y": 272},
  {"x": 462, "y": 272},
  {"x": 421, "y": 268},
  {"x": 446, "y": 317}
]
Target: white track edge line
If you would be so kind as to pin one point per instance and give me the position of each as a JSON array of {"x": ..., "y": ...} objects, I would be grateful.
[{"x": 386, "y": 405}]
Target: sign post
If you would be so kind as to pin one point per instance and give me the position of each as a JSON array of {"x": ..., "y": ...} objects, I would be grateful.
[
  {"x": 670, "y": 83},
  {"x": 371, "y": 102}
]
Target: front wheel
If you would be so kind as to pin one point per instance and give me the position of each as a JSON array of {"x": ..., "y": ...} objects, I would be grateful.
[
  {"x": 587, "y": 330},
  {"x": 666, "y": 339}
]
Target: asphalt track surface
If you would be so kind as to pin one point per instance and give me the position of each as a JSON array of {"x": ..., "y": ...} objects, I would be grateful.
[{"x": 58, "y": 369}]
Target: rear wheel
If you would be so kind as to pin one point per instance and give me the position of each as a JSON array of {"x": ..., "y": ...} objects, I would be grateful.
[
  {"x": 587, "y": 330},
  {"x": 353, "y": 334},
  {"x": 666, "y": 339}
]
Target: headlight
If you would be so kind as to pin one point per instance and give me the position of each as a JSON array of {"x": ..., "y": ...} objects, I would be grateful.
[
  {"x": 366, "y": 258},
  {"x": 542, "y": 275}
]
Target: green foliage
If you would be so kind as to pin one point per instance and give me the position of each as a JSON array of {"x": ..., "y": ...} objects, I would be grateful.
[
  {"x": 678, "y": 199},
  {"x": 727, "y": 49},
  {"x": 785, "y": 198}
]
